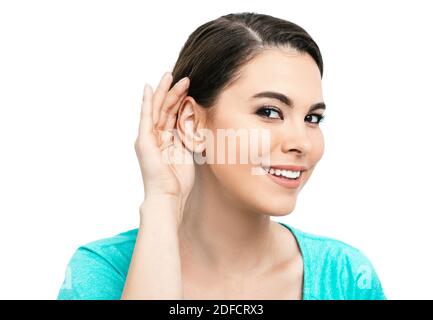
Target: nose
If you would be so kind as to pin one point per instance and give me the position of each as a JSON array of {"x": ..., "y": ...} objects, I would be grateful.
[{"x": 296, "y": 139}]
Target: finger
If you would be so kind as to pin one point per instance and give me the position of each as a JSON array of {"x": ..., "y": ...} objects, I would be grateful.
[
  {"x": 160, "y": 94},
  {"x": 173, "y": 113},
  {"x": 176, "y": 139},
  {"x": 173, "y": 97},
  {"x": 175, "y": 94},
  {"x": 182, "y": 154},
  {"x": 146, "y": 111}
]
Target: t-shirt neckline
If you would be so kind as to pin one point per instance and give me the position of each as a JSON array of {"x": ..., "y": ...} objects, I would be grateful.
[{"x": 297, "y": 234}]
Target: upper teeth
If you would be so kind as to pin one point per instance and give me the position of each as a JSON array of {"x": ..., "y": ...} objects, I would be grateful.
[{"x": 285, "y": 173}]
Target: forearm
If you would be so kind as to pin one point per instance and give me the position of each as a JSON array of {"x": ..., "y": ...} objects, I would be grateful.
[{"x": 155, "y": 268}]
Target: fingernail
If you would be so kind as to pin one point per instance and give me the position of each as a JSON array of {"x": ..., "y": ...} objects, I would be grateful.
[{"x": 182, "y": 81}]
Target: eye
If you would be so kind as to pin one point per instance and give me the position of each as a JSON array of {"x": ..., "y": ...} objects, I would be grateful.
[
  {"x": 315, "y": 118},
  {"x": 266, "y": 111}
]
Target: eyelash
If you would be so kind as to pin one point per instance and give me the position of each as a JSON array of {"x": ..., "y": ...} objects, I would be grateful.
[{"x": 266, "y": 107}]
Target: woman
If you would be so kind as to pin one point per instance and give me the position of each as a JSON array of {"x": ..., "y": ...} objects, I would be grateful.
[{"x": 205, "y": 229}]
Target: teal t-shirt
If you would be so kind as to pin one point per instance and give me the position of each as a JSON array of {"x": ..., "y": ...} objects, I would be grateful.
[{"x": 333, "y": 270}]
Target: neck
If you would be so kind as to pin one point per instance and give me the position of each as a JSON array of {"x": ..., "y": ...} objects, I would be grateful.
[{"x": 220, "y": 233}]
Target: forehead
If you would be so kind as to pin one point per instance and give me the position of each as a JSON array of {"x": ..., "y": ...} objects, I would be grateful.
[{"x": 283, "y": 70}]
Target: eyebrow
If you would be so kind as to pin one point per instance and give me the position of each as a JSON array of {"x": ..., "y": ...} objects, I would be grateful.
[{"x": 286, "y": 100}]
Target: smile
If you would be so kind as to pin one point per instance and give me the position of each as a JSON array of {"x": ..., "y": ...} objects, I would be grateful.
[
  {"x": 285, "y": 178},
  {"x": 284, "y": 173}
]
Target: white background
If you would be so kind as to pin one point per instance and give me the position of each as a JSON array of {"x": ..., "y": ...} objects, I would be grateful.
[{"x": 71, "y": 80}]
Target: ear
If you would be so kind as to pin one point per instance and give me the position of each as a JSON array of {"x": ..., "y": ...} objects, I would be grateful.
[{"x": 190, "y": 119}]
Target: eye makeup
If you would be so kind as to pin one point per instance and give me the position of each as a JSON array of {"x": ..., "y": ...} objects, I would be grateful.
[{"x": 267, "y": 110}]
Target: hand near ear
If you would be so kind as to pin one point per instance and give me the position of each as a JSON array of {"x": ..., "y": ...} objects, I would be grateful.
[{"x": 166, "y": 165}]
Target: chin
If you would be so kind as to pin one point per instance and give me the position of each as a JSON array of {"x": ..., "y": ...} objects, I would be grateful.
[
  {"x": 278, "y": 208},
  {"x": 282, "y": 210},
  {"x": 257, "y": 192}
]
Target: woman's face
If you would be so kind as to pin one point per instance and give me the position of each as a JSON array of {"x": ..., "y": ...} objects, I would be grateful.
[{"x": 295, "y": 135}]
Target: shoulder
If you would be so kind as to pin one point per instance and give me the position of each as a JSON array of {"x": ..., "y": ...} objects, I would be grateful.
[
  {"x": 98, "y": 269},
  {"x": 336, "y": 269},
  {"x": 112, "y": 246},
  {"x": 330, "y": 246}
]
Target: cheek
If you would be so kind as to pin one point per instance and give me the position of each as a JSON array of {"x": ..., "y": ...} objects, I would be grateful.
[
  {"x": 315, "y": 153},
  {"x": 317, "y": 147},
  {"x": 235, "y": 176},
  {"x": 222, "y": 151},
  {"x": 232, "y": 161}
]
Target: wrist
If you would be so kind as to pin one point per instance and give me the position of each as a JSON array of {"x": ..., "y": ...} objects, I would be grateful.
[
  {"x": 149, "y": 197},
  {"x": 164, "y": 208}
]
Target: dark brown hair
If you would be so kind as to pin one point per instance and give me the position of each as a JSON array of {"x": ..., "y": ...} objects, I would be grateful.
[{"x": 214, "y": 53}]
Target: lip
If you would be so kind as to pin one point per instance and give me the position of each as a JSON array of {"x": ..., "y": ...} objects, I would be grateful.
[
  {"x": 287, "y": 167},
  {"x": 284, "y": 182}
]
